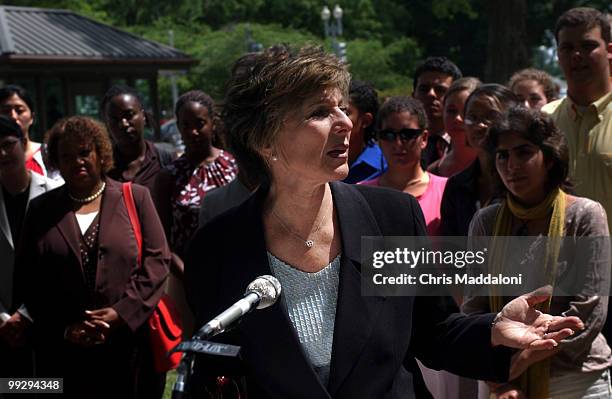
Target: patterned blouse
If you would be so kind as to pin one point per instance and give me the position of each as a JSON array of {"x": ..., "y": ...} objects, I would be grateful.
[
  {"x": 191, "y": 183},
  {"x": 88, "y": 246}
]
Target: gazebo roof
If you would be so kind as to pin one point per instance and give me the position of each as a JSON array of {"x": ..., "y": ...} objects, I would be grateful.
[{"x": 60, "y": 36}]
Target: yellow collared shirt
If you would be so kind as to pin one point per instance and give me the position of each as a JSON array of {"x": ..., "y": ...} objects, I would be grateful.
[{"x": 589, "y": 137}]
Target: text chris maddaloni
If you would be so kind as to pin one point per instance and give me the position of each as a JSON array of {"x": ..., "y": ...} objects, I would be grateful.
[{"x": 443, "y": 279}]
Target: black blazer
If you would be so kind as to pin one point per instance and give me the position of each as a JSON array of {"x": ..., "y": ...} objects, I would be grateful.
[
  {"x": 375, "y": 338},
  {"x": 459, "y": 201}
]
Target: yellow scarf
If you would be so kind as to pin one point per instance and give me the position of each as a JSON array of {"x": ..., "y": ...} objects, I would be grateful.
[{"x": 534, "y": 381}]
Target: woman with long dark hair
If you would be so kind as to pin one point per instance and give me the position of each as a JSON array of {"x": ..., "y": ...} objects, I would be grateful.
[{"x": 530, "y": 159}]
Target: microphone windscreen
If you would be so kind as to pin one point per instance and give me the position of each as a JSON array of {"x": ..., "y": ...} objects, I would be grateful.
[{"x": 268, "y": 288}]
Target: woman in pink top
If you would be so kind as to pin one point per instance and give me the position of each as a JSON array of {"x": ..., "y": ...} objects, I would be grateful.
[{"x": 402, "y": 138}]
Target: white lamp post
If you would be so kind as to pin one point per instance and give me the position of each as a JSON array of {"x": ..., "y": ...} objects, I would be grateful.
[{"x": 333, "y": 29}]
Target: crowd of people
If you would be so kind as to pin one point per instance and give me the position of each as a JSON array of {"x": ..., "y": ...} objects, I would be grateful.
[{"x": 284, "y": 178}]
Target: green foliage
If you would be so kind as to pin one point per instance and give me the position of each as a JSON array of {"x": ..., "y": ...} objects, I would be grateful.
[
  {"x": 385, "y": 37},
  {"x": 92, "y": 8},
  {"x": 388, "y": 68},
  {"x": 215, "y": 51},
  {"x": 448, "y": 9}
]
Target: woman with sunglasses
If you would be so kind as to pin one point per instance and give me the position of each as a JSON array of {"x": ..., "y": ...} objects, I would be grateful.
[
  {"x": 402, "y": 138},
  {"x": 472, "y": 189}
]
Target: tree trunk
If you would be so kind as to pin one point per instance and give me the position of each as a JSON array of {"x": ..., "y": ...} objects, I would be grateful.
[{"x": 507, "y": 48}]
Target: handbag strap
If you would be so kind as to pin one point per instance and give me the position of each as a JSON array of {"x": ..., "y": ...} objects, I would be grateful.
[{"x": 128, "y": 198}]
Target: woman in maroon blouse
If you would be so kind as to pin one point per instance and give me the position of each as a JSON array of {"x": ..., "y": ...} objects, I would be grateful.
[{"x": 78, "y": 273}]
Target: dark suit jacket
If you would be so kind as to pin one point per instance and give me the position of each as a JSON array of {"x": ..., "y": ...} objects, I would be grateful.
[
  {"x": 375, "y": 338},
  {"x": 49, "y": 276}
]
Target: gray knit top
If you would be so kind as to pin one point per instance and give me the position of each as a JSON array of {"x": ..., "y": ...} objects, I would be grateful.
[{"x": 311, "y": 303}]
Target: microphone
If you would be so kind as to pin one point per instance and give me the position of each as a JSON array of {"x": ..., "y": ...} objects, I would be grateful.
[{"x": 264, "y": 291}]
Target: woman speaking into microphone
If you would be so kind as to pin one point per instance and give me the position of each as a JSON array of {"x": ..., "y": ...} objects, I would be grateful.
[{"x": 287, "y": 123}]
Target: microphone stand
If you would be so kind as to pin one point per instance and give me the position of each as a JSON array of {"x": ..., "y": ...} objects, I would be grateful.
[
  {"x": 266, "y": 288},
  {"x": 185, "y": 368}
]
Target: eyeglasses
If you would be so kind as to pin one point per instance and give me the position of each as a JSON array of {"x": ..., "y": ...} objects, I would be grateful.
[{"x": 404, "y": 134}]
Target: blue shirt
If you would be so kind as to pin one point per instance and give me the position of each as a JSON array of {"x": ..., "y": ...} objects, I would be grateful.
[{"x": 368, "y": 165}]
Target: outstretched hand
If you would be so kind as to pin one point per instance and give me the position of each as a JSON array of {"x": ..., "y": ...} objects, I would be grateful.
[{"x": 519, "y": 325}]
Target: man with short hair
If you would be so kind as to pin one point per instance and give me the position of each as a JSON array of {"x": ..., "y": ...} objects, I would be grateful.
[
  {"x": 585, "y": 115},
  {"x": 365, "y": 159},
  {"x": 431, "y": 81}
]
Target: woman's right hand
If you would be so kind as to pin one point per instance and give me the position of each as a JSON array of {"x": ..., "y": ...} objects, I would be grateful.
[
  {"x": 87, "y": 333},
  {"x": 12, "y": 331}
]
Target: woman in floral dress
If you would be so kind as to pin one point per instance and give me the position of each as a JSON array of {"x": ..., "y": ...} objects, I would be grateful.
[{"x": 180, "y": 187}]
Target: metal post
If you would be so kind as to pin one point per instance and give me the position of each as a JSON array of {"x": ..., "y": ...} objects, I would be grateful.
[
  {"x": 333, "y": 29},
  {"x": 173, "y": 84}
]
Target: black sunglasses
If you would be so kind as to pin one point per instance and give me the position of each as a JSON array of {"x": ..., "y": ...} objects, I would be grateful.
[{"x": 404, "y": 134}]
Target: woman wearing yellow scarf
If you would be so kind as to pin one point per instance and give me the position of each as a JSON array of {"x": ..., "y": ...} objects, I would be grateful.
[{"x": 531, "y": 160}]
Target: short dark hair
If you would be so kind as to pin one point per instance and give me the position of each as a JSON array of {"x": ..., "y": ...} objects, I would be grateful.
[
  {"x": 8, "y": 127},
  {"x": 195, "y": 96},
  {"x": 364, "y": 97},
  {"x": 11, "y": 90},
  {"x": 503, "y": 96},
  {"x": 83, "y": 129},
  {"x": 551, "y": 89},
  {"x": 539, "y": 129},
  {"x": 118, "y": 90},
  {"x": 584, "y": 16},
  {"x": 436, "y": 64},
  {"x": 403, "y": 104}
]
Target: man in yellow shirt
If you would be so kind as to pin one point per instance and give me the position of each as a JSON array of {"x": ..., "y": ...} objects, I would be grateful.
[{"x": 585, "y": 115}]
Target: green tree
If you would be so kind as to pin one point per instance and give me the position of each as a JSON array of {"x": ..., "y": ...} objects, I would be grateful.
[
  {"x": 385, "y": 37},
  {"x": 388, "y": 68},
  {"x": 215, "y": 51}
]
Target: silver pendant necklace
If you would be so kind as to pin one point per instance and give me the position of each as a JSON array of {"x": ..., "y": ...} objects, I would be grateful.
[{"x": 308, "y": 242}]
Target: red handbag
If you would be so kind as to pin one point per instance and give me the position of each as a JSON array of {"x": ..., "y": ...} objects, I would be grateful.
[{"x": 165, "y": 325}]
